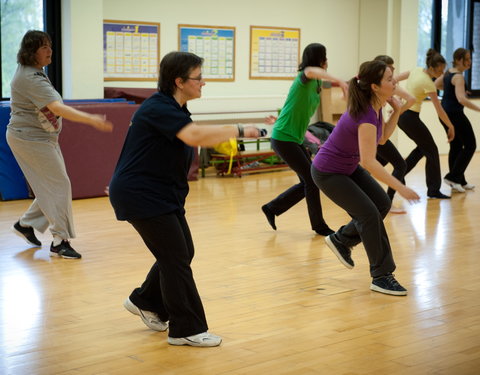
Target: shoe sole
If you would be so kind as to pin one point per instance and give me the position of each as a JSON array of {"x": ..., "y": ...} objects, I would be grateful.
[
  {"x": 54, "y": 254},
  {"x": 337, "y": 254},
  {"x": 185, "y": 341},
  {"x": 130, "y": 307},
  {"x": 376, "y": 288},
  {"x": 20, "y": 234}
]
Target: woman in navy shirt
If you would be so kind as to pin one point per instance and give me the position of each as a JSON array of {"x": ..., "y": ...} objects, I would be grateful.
[{"x": 148, "y": 189}]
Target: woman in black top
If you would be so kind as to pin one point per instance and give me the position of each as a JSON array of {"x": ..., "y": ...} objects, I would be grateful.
[
  {"x": 148, "y": 189},
  {"x": 464, "y": 145}
]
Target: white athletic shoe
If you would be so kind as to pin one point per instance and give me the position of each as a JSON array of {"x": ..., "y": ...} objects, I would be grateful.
[
  {"x": 150, "y": 319},
  {"x": 468, "y": 187},
  {"x": 398, "y": 209},
  {"x": 456, "y": 188},
  {"x": 201, "y": 339}
]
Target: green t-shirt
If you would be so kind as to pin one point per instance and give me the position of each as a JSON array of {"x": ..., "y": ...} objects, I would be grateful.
[{"x": 302, "y": 101}]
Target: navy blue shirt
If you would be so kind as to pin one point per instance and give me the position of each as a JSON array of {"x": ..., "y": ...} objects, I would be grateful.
[
  {"x": 449, "y": 99},
  {"x": 150, "y": 178}
]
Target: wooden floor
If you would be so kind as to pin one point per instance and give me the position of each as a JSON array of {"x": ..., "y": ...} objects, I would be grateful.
[{"x": 280, "y": 299}]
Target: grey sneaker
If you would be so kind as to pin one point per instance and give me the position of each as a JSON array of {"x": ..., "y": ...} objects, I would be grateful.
[
  {"x": 202, "y": 339},
  {"x": 64, "y": 250},
  {"x": 26, "y": 233},
  {"x": 343, "y": 253},
  {"x": 388, "y": 285},
  {"x": 151, "y": 319}
]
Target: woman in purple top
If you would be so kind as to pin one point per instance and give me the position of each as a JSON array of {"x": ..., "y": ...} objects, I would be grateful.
[{"x": 343, "y": 170}]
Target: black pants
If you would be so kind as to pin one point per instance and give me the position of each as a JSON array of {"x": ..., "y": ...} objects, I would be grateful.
[
  {"x": 169, "y": 288},
  {"x": 367, "y": 204},
  {"x": 418, "y": 132},
  {"x": 462, "y": 148},
  {"x": 297, "y": 158},
  {"x": 388, "y": 153}
]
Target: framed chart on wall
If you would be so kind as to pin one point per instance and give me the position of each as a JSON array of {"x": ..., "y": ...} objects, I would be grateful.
[
  {"x": 131, "y": 50},
  {"x": 215, "y": 44},
  {"x": 274, "y": 52}
]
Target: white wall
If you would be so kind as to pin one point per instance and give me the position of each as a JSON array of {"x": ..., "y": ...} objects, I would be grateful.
[{"x": 352, "y": 30}]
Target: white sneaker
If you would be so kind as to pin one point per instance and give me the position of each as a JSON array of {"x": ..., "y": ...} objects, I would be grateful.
[
  {"x": 398, "y": 209},
  {"x": 468, "y": 187},
  {"x": 201, "y": 339},
  {"x": 456, "y": 188},
  {"x": 150, "y": 319}
]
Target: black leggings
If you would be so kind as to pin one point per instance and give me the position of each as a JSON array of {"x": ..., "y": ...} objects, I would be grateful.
[
  {"x": 367, "y": 204},
  {"x": 462, "y": 148},
  {"x": 418, "y": 132},
  {"x": 388, "y": 153},
  {"x": 297, "y": 158},
  {"x": 169, "y": 289}
]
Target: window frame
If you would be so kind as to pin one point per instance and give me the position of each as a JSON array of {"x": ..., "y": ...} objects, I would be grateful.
[
  {"x": 436, "y": 40},
  {"x": 52, "y": 21}
]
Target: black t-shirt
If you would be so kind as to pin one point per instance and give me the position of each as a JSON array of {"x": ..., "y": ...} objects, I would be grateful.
[{"x": 150, "y": 178}]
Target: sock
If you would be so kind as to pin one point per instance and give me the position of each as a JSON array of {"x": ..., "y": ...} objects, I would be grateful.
[{"x": 57, "y": 240}]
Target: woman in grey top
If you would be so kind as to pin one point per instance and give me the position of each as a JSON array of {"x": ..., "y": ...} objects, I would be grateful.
[{"x": 32, "y": 134}]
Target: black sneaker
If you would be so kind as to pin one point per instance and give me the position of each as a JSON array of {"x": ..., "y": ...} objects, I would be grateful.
[
  {"x": 270, "y": 216},
  {"x": 26, "y": 233},
  {"x": 438, "y": 195},
  {"x": 388, "y": 285},
  {"x": 64, "y": 250},
  {"x": 343, "y": 253}
]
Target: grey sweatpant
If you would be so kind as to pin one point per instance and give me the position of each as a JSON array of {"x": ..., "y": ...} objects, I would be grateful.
[{"x": 42, "y": 163}]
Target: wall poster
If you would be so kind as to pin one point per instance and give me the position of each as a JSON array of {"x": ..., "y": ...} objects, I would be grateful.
[
  {"x": 274, "y": 52},
  {"x": 215, "y": 44},
  {"x": 131, "y": 50}
]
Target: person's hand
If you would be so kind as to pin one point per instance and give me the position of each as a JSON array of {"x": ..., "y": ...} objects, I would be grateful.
[
  {"x": 395, "y": 103},
  {"x": 101, "y": 123},
  {"x": 450, "y": 133},
  {"x": 270, "y": 120},
  {"x": 343, "y": 85},
  {"x": 251, "y": 132},
  {"x": 410, "y": 195}
]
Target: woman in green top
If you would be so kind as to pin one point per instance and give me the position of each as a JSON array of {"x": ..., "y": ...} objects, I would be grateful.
[{"x": 289, "y": 132}]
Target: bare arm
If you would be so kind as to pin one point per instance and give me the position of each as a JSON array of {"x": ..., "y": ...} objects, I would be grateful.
[
  {"x": 439, "y": 82},
  {"x": 99, "y": 122},
  {"x": 409, "y": 100},
  {"x": 368, "y": 148},
  {"x": 211, "y": 135},
  {"x": 459, "y": 81},
  {"x": 314, "y": 72},
  {"x": 443, "y": 115},
  {"x": 402, "y": 76},
  {"x": 389, "y": 126}
]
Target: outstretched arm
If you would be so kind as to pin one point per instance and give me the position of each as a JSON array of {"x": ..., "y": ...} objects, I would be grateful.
[
  {"x": 99, "y": 122},
  {"x": 314, "y": 72},
  {"x": 367, "y": 134},
  {"x": 211, "y": 135},
  {"x": 459, "y": 82}
]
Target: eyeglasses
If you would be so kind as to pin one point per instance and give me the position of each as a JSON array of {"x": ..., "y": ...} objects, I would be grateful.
[{"x": 199, "y": 78}]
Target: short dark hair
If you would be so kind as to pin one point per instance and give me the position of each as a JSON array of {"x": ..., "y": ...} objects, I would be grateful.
[
  {"x": 434, "y": 59},
  {"x": 360, "y": 93},
  {"x": 459, "y": 54},
  {"x": 176, "y": 65},
  {"x": 315, "y": 54},
  {"x": 385, "y": 58},
  {"x": 31, "y": 42}
]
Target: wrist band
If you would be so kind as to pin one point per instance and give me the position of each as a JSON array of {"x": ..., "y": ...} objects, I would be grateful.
[{"x": 240, "y": 131}]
